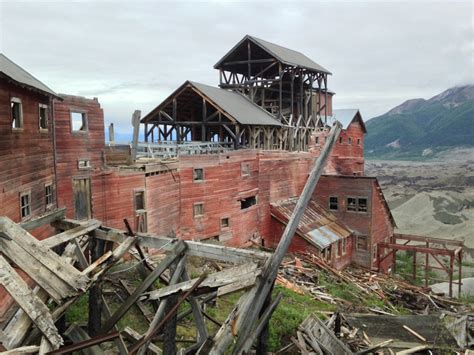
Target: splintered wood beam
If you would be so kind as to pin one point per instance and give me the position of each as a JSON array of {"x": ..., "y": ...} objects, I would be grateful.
[
  {"x": 178, "y": 249},
  {"x": 71, "y": 234},
  {"x": 218, "y": 279},
  {"x": 29, "y": 302},
  {"x": 246, "y": 316}
]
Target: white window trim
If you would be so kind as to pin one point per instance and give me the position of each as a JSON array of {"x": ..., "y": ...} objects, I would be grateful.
[
  {"x": 26, "y": 193},
  {"x": 79, "y": 167},
  {"x": 17, "y": 100},
  {"x": 46, "y": 107},
  {"x": 198, "y": 215},
  {"x": 49, "y": 205}
]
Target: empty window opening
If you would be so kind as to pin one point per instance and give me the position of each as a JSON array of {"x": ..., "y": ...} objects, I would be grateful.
[
  {"x": 43, "y": 117},
  {"x": 25, "y": 204},
  {"x": 316, "y": 140},
  {"x": 339, "y": 249},
  {"x": 84, "y": 164},
  {"x": 357, "y": 204},
  {"x": 361, "y": 242},
  {"x": 198, "y": 210},
  {"x": 349, "y": 140},
  {"x": 358, "y": 141},
  {"x": 225, "y": 222},
  {"x": 48, "y": 194},
  {"x": 248, "y": 202},
  {"x": 333, "y": 205},
  {"x": 245, "y": 169},
  {"x": 78, "y": 121},
  {"x": 340, "y": 140},
  {"x": 139, "y": 201},
  {"x": 198, "y": 174},
  {"x": 17, "y": 113}
]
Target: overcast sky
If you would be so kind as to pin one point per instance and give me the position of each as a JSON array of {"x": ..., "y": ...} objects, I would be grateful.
[{"x": 131, "y": 55}]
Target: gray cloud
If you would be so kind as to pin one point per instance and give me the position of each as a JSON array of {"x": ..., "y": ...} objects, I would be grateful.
[{"x": 133, "y": 54}]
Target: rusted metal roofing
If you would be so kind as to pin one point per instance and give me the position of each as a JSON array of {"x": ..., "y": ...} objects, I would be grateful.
[
  {"x": 317, "y": 225},
  {"x": 21, "y": 76},
  {"x": 282, "y": 54}
]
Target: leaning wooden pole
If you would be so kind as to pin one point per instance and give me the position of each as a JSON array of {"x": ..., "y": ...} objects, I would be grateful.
[{"x": 245, "y": 317}]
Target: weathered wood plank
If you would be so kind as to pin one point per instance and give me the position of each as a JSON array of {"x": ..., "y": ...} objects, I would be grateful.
[
  {"x": 71, "y": 234},
  {"x": 45, "y": 219},
  {"x": 29, "y": 302}
]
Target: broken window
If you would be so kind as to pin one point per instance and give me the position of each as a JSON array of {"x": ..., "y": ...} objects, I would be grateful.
[
  {"x": 225, "y": 222},
  {"x": 357, "y": 204},
  {"x": 333, "y": 203},
  {"x": 48, "y": 194},
  {"x": 25, "y": 204},
  {"x": 43, "y": 117},
  {"x": 84, "y": 164},
  {"x": 361, "y": 243},
  {"x": 78, "y": 122},
  {"x": 198, "y": 209},
  {"x": 245, "y": 169},
  {"x": 17, "y": 113},
  {"x": 349, "y": 140},
  {"x": 198, "y": 174},
  {"x": 139, "y": 201},
  {"x": 248, "y": 202}
]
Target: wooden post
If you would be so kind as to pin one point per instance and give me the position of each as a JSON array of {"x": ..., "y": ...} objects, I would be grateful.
[
  {"x": 248, "y": 311},
  {"x": 460, "y": 273},
  {"x": 136, "y": 130},
  {"x": 94, "y": 322},
  {"x": 451, "y": 271},
  {"x": 427, "y": 260},
  {"x": 414, "y": 266}
]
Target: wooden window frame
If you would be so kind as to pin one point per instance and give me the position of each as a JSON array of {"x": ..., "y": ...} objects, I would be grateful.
[
  {"x": 46, "y": 108},
  {"x": 357, "y": 204},
  {"x": 337, "y": 203},
  {"x": 228, "y": 223},
  {"x": 85, "y": 119},
  {"x": 135, "y": 192},
  {"x": 366, "y": 242},
  {"x": 46, "y": 195},
  {"x": 202, "y": 209},
  {"x": 27, "y": 206},
  {"x": 16, "y": 100},
  {"x": 349, "y": 141},
  {"x": 202, "y": 175},
  {"x": 344, "y": 246},
  {"x": 88, "y": 165}
]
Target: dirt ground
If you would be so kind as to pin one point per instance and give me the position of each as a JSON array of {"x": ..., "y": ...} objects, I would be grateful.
[{"x": 434, "y": 198}]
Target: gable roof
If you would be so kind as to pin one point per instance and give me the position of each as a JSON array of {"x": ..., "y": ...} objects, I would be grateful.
[
  {"x": 234, "y": 104},
  {"x": 317, "y": 226},
  {"x": 18, "y": 74},
  {"x": 347, "y": 116},
  {"x": 282, "y": 54}
]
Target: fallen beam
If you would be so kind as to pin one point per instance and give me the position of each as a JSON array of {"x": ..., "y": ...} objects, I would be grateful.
[{"x": 71, "y": 234}]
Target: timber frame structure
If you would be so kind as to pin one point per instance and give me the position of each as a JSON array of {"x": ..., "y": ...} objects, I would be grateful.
[{"x": 287, "y": 86}]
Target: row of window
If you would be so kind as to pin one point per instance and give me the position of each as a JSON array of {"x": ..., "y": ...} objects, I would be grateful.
[
  {"x": 198, "y": 173},
  {"x": 353, "y": 204},
  {"x": 78, "y": 119},
  {"x": 341, "y": 140},
  {"x": 25, "y": 200}
]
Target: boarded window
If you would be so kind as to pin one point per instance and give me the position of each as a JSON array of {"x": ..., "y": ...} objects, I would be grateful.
[
  {"x": 139, "y": 200},
  {"x": 248, "y": 202},
  {"x": 198, "y": 174},
  {"x": 84, "y": 164},
  {"x": 245, "y": 169},
  {"x": 225, "y": 222},
  {"x": 78, "y": 122},
  {"x": 333, "y": 205},
  {"x": 198, "y": 209},
  {"x": 43, "y": 117},
  {"x": 48, "y": 194},
  {"x": 25, "y": 204},
  {"x": 361, "y": 243},
  {"x": 16, "y": 113}
]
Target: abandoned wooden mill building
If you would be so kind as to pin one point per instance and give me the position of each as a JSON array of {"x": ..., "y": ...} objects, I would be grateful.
[{"x": 262, "y": 159}]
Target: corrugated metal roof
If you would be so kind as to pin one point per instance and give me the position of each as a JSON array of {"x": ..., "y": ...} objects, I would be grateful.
[
  {"x": 18, "y": 74},
  {"x": 237, "y": 105},
  {"x": 289, "y": 56},
  {"x": 317, "y": 225}
]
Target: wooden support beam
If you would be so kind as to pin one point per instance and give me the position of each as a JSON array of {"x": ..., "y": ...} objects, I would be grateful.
[
  {"x": 178, "y": 248},
  {"x": 71, "y": 234},
  {"x": 44, "y": 219}
]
